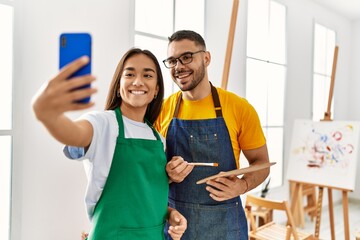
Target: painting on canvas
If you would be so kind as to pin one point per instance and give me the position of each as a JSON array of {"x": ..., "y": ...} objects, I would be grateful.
[{"x": 324, "y": 153}]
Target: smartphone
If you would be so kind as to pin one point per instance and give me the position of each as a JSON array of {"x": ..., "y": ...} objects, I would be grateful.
[{"x": 73, "y": 46}]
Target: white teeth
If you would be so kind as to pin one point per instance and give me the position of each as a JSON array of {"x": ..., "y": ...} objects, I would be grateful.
[
  {"x": 183, "y": 75},
  {"x": 138, "y": 92}
]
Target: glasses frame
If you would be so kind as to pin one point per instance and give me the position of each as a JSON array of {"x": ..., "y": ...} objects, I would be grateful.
[{"x": 179, "y": 60}]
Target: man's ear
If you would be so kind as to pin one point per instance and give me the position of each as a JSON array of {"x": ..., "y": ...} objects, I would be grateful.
[{"x": 207, "y": 58}]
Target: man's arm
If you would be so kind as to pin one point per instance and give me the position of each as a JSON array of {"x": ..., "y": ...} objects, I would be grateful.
[{"x": 254, "y": 157}]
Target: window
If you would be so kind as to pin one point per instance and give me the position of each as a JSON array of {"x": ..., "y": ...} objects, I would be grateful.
[
  {"x": 6, "y": 84},
  {"x": 266, "y": 74},
  {"x": 153, "y": 29},
  {"x": 324, "y": 45}
]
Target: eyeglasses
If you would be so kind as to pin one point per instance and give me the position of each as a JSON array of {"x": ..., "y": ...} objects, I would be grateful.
[{"x": 184, "y": 59}]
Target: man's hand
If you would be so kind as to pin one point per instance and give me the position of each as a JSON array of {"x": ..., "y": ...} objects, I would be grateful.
[
  {"x": 225, "y": 188},
  {"x": 177, "y": 169}
]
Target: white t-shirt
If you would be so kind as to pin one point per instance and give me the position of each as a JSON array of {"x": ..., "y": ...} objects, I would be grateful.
[{"x": 98, "y": 158}]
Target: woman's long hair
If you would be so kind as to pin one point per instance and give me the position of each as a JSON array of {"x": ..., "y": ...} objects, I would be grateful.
[{"x": 113, "y": 100}]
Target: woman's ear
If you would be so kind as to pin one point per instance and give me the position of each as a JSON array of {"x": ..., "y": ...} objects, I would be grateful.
[{"x": 156, "y": 91}]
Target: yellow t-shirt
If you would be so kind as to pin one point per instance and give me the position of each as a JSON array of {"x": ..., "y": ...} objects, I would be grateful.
[{"x": 240, "y": 117}]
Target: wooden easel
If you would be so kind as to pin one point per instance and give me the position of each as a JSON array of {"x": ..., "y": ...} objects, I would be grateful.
[
  {"x": 327, "y": 115},
  {"x": 345, "y": 202},
  {"x": 230, "y": 44},
  {"x": 307, "y": 191},
  {"x": 297, "y": 190}
]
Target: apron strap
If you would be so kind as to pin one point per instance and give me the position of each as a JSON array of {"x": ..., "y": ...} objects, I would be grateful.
[
  {"x": 216, "y": 100},
  {"x": 120, "y": 122},
  {"x": 215, "y": 97},
  {"x": 177, "y": 105},
  {"x": 156, "y": 134}
]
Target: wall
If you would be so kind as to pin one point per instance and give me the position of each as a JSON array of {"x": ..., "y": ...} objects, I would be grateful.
[
  {"x": 354, "y": 86},
  {"x": 48, "y": 189}
]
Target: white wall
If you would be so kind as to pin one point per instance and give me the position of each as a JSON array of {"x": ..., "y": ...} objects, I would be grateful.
[
  {"x": 48, "y": 189},
  {"x": 354, "y": 87}
]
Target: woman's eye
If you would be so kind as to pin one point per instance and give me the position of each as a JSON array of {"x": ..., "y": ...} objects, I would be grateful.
[
  {"x": 129, "y": 74},
  {"x": 148, "y": 76}
]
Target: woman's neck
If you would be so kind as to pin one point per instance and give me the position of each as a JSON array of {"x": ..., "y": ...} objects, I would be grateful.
[{"x": 135, "y": 114}]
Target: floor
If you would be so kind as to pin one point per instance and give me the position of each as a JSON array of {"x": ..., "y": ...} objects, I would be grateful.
[{"x": 325, "y": 233}]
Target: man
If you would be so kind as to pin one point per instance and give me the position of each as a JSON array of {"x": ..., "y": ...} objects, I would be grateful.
[{"x": 202, "y": 123}]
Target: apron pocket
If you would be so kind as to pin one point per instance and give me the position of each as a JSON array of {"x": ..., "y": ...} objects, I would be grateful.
[{"x": 148, "y": 233}]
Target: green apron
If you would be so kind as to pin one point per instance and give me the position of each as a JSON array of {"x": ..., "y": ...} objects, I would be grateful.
[{"x": 133, "y": 204}]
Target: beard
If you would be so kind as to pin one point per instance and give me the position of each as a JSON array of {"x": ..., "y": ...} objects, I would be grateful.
[{"x": 198, "y": 76}]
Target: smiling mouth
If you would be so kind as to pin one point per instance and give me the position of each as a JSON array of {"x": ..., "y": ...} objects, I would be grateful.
[
  {"x": 138, "y": 92},
  {"x": 183, "y": 74}
]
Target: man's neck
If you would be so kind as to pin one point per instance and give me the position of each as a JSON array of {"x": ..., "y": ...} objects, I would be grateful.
[{"x": 202, "y": 90}]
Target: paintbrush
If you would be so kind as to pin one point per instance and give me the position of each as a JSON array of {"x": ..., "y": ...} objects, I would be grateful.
[{"x": 204, "y": 164}]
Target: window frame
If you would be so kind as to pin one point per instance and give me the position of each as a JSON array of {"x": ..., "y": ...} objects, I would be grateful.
[
  {"x": 8, "y": 132},
  {"x": 267, "y": 60},
  {"x": 317, "y": 116}
]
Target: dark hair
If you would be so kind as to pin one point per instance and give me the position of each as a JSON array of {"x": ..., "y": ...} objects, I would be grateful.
[
  {"x": 189, "y": 35},
  {"x": 113, "y": 101}
]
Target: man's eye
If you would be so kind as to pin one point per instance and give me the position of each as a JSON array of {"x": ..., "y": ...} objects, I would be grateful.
[
  {"x": 172, "y": 62},
  {"x": 185, "y": 57}
]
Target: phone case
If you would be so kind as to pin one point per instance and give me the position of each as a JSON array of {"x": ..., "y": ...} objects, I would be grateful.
[{"x": 73, "y": 46}]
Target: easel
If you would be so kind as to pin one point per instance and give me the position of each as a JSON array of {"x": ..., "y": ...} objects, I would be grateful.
[
  {"x": 345, "y": 202},
  {"x": 230, "y": 44},
  {"x": 307, "y": 191},
  {"x": 297, "y": 190}
]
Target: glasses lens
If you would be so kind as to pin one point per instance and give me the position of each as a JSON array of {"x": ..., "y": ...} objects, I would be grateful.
[
  {"x": 171, "y": 62},
  {"x": 186, "y": 58}
]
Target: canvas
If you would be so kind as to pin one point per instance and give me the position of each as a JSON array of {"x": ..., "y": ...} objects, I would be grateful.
[{"x": 324, "y": 153}]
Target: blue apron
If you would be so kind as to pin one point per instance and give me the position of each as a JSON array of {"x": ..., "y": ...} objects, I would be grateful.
[{"x": 209, "y": 141}]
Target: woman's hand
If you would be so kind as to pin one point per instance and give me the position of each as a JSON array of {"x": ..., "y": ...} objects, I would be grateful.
[
  {"x": 178, "y": 224},
  {"x": 58, "y": 95}
]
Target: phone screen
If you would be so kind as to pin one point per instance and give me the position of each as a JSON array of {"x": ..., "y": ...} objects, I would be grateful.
[{"x": 74, "y": 46}]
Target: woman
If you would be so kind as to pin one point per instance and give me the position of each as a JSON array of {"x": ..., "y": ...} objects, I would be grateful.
[{"x": 128, "y": 186}]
